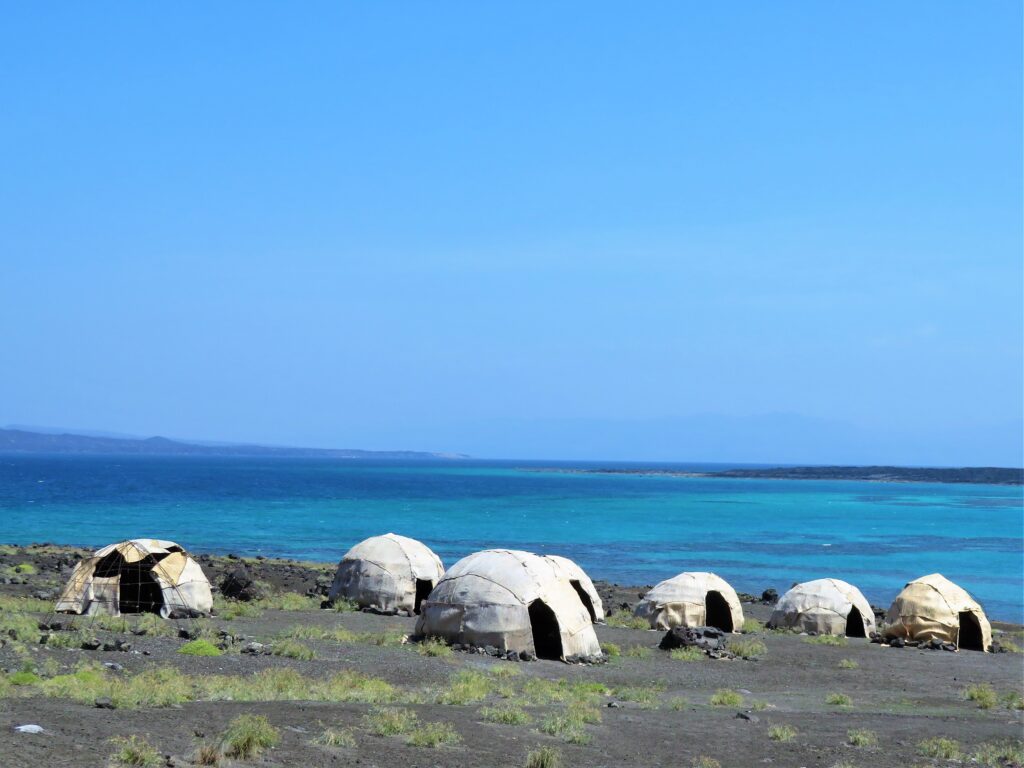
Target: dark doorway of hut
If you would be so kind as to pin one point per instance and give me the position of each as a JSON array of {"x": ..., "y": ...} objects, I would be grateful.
[
  {"x": 547, "y": 640},
  {"x": 423, "y": 588},
  {"x": 585, "y": 599},
  {"x": 970, "y": 632},
  {"x": 137, "y": 590},
  {"x": 854, "y": 623},
  {"x": 717, "y": 613}
]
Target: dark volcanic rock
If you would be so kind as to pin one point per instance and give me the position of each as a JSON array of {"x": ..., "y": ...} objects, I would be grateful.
[
  {"x": 705, "y": 638},
  {"x": 240, "y": 585}
]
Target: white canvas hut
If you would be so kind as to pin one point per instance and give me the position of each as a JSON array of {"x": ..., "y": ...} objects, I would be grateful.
[
  {"x": 387, "y": 573},
  {"x": 692, "y": 599},
  {"x": 934, "y": 608},
  {"x": 825, "y": 606},
  {"x": 512, "y": 600},
  {"x": 138, "y": 576}
]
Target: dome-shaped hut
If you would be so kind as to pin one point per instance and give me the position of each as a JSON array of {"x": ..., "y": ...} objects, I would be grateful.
[
  {"x": 514, "y": 601},
  {"x": 692, "y": 599},
  {"x": 138, "y": 576},
  {"x": 934, "y": 608},
  {"x": 388, "y": 573},
  {"x": 825, "y": 606}
]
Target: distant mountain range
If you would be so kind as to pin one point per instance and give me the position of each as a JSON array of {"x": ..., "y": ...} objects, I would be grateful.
[{"x": 24, "y": 441}]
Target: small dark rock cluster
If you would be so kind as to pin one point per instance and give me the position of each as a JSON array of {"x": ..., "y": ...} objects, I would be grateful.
[
  {"x": 490, "y": 650},
  {"x": 711, "y": 640},
  {"x": 239, "y": 584},
  {"x": 901, "y": 642}
]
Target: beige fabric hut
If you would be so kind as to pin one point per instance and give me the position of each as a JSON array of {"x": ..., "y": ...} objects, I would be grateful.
[
  {"x": 388, "y": 573},
  {"x": 825, "y": 606},
  {"x": 138, "y": 576},
  {"x": 934, "y": 608},
  {"x": 692, "y": 599},
  {"x": 512, "y": 600},
  {"x": 579, "y": 581}
]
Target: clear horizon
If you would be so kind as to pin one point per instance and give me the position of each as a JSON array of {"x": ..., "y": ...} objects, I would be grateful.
[{"x": 792, "y": 235}]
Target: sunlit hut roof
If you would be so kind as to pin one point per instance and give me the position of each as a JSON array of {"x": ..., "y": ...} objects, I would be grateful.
[
  {"x": 934, "y": 608},
  {"x": 135, "y": 576},
  {"x": 387, "y": 573},
  {"x": 825, "y": 606},
  {"x": 692, "y": 599},
  {"x": 512, "y": 600}
]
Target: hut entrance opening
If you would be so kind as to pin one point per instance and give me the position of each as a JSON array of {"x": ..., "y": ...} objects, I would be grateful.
[
  {"x": 137, "y": 590},
  {"x": 423, "y": 588},
  {"x": 547, "y": 640},
  {"x": 970, "y": 632},
  {"x": 716, "y": 611},
  {"x": 585, "y": 599},
  {"x": 854, "y": 623}
]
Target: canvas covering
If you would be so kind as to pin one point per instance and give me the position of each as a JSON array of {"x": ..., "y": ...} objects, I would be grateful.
[
  {"x": 681, "y": 601},
  {"x": 822, "y": 606},
  {"x": 381, "y": 573},
  {"x": 484, "y": 599},
  {"x": 929, "y": 608},
  {"x": 184, "y": 588},
  {"x": 571, "y": 572}
]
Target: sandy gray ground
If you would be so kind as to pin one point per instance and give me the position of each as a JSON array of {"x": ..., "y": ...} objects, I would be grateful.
[{"x": 904, "y": 695}]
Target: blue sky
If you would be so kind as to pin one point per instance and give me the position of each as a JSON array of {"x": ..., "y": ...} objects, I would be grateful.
[{"x": 790, "y": 232}]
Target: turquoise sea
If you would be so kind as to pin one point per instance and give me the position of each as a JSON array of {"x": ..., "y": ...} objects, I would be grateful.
[{"x": 625, "y": 528}]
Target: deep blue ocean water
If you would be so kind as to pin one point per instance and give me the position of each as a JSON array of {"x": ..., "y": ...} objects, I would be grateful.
[{"x": 630, "y": 529}]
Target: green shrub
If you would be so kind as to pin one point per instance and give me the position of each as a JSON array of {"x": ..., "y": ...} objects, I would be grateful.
[
  {"x": 434, "y": 735},
  {"x": 505, "y": 714},
  {"x": 838, "y": 700},
  {"x": 638, "y": 652},
  {"x": 1013, "y": 700},
  {"x": 435, "y": 647},
  {"x": 1000, "y": 754},
  {"x": 26, "y": 569},
  {"x": 466, "y": 687},
  {"x": 248, "y": 735},
  {"x": 545, "y": 757},
  {"x": 942, "y": 749},
  {"x": 235, "y": 609},
  {"x": 690, "y": 653},
  {"x": 861, "y": 737},
  {"x": 206, "y": 754},
  {"x": 644, "y": 695},
  {"x": 566, "y": 728},
  {"x": 335, "y": 737},
  {"x": 703, "y": 761},
  {"x": 200, "y": 648},
  {"x": 290, "y": 649},
  {"x": 984, "y": 695},
  {"x": 782, "y": 733},
  {"x": 154, "y": 625},
  {"x": 834, "y": 640},
  {"x": 19, "y": 626},
  {"x": 25, "y": 676},
  {"x": 752, "y": 625},
  {"x": 135, "y": 751},
  {"x": 747, "y": 648},
  {"x": 678, "y": 703},
  {"x": 848, "y": 664},
  {"x": 724, "y": 697},
  {"x": 287, "y": 601},
  {"x": 391, "y": 721},
  {"x": 623, "y": 620},
  {"x": 611, "y": 650}
]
